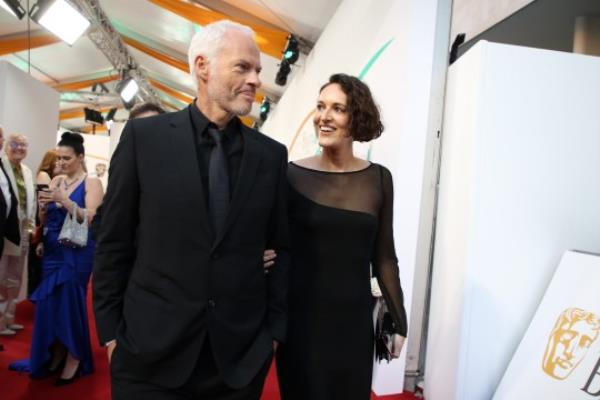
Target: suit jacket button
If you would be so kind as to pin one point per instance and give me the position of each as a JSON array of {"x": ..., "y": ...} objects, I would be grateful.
[
  {"x": 215, "y": 256},
  {"x": 211, "y": 303}
]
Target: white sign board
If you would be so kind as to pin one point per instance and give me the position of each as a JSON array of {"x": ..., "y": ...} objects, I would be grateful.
[{"x": 559, "y": 356}]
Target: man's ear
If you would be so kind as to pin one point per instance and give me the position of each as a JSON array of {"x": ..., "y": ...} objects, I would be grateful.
[{"x": 201, "y": 67}]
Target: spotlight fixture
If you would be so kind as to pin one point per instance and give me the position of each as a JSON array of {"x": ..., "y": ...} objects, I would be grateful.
[
  {"x": 109, "y": 120},
  {"x": 100, "y": 87},
  {"x": 292, "y": 50},
  {"x": 14, "y": 7},
  {"x": 127, "y": 89},
  {"x": 290, "y": 56},
  {"x": 265, "y": 107},
  {"x": 282, "y": 74},
  {"x": 93, "y": 116},
  {"x": 110, "y": 115},
  {"x": 61, "y": 18}
]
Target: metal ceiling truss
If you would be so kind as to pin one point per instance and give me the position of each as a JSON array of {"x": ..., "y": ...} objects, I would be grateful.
[
  {"x": 96, "y": 99},
  {"x": 109, "y": 42}
]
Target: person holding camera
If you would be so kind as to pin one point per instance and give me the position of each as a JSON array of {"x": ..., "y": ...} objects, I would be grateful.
[{"x": 61, "y": 339}]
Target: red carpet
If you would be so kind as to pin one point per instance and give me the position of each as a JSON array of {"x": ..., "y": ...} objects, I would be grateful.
[{"x": 15, "y": 386}]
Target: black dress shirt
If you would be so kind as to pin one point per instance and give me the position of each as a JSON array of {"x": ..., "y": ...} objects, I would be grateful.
[{"x": 233, "y": 142}]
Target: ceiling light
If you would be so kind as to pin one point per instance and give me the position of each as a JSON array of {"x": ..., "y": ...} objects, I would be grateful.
[
  {"x": 292, "y": 51},
  {"x": 61, "y": 18},
  {"x": 265, "y": 107},
  {"x": 282, "y": 74},
  {"x": 93, "y": 116},
  {"x": 13, "y": 7},
  {"x": 290, "y": 56},
  {"x": 127, "y": 89},
  {"x": 110, "y": 115}
]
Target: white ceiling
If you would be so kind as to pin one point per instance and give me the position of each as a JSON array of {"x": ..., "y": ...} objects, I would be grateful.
[
  {"x": 305, "y": 18},
  {"x": 61, "y": 61},
  {"x": 163, "y": 31},
  {"x": 547, "y": 24}
]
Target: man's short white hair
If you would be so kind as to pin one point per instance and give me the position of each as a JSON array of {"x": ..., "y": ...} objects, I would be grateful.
[
  {"x": 209, "y": 39},
  {"x": 15, "y": 137}
]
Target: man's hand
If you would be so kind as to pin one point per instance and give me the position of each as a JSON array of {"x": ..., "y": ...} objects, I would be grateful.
[
  {"x": 39, "y": 250},
  {"x": 269, "y": 259},
  {"x": 398, "y": 343},
  {"x": 110, "y": 347}
]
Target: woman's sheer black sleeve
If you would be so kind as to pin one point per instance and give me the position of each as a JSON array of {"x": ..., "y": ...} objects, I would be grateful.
[{"x": 385, "y": 262}]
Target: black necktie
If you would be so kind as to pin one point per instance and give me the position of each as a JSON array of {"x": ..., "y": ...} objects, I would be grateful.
[{"x": 218, "y": 182}]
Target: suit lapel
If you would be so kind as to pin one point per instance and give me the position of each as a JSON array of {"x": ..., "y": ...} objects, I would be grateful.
[
  {"x": 184, "y": 151},
  {"x": 9, "y": 173},
  {"x": 245, "y": 181},
  {"x": 11, "y": 224},
  {"x": 28, "y": 178}
]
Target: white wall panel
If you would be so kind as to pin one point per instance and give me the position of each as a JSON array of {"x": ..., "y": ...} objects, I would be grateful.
[
  {"x": 390, "y": 44},
  {"x": 519, "y": 186},
  {"x": 29, "y": 107}
]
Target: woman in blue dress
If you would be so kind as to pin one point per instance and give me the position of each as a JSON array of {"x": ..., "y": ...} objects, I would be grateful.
[{"x": 61, "y": 339}]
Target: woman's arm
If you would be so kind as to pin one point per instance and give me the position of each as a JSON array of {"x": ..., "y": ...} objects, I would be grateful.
[
  {"x": 385, "y": 264},
  {"x": 93, "y": 196},
  {"x": 43, "y": 178},
  {"x": 46, "y": 196},
  {"x": 93, "y": 199}
]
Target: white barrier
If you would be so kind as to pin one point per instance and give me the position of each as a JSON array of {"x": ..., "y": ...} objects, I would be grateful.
[{"x": 559, "y": 357}]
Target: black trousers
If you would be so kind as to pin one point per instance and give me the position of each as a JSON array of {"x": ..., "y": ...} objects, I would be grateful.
[
  {"x": 205, "y": 383},
  {"x": 34, "y": 271}
]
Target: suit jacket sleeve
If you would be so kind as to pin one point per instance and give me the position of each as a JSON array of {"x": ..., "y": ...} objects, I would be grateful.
[
  {"x": 278, "y": 278},
  {"x": 115, "y": 247}
]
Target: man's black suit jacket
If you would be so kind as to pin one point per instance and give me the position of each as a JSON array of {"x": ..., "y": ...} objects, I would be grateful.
[
  {"x": 9, "y": 225},
  {"x": 163, "y": 281}
]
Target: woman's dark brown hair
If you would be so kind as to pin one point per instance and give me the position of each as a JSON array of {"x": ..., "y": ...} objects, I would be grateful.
[
  {"x": 365, "y": 119},
  {"x": 48, "y": 163},
  {"x": 73, "y": 140}
]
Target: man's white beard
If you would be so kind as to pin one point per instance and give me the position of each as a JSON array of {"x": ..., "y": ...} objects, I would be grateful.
[{"x": 222, "y": 99}]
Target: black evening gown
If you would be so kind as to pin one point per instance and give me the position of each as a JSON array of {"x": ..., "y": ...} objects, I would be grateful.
[{"x": 341, "y": 223}]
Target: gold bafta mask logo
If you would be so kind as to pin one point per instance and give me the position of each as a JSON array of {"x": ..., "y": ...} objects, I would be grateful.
[{"x": 573, "y": 334}]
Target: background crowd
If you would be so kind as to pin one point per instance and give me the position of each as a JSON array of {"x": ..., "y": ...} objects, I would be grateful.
[{"x": 35, "y": 264}]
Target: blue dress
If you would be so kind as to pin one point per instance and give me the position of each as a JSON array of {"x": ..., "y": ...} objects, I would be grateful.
[{"x": 60, "y": 300}]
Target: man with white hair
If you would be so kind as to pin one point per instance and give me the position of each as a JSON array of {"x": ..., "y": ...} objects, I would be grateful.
[
  {"x": 8, "y": 215},
  {"x": 14, "y": 257},
  {"x": 9, "y": 222},
  {"x": 194, "y": 198}
]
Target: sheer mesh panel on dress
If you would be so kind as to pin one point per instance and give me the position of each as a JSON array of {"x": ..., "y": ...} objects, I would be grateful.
[
  {"x": 369, "y": 191},
  {"x": 355, "y": 191}
]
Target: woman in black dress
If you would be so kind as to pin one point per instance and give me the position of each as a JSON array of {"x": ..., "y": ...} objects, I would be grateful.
[{"x": 341, "y": 224}]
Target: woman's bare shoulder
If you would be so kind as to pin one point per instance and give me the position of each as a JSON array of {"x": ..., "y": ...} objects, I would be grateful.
[{"x": 43, "y": 178}]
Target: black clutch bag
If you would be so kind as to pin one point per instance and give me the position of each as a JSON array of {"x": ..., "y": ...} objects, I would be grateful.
[{"x": 384, "y": 332}]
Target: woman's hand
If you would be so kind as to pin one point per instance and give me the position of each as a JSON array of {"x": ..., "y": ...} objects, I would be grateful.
[
  {"x": 44, "y": 197},
  {"x": 269, "y": 259},
  {"x": 59, "y": 195},
  {"x": 397, "y": 344},
  {"x": 110, "y": 348}
]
